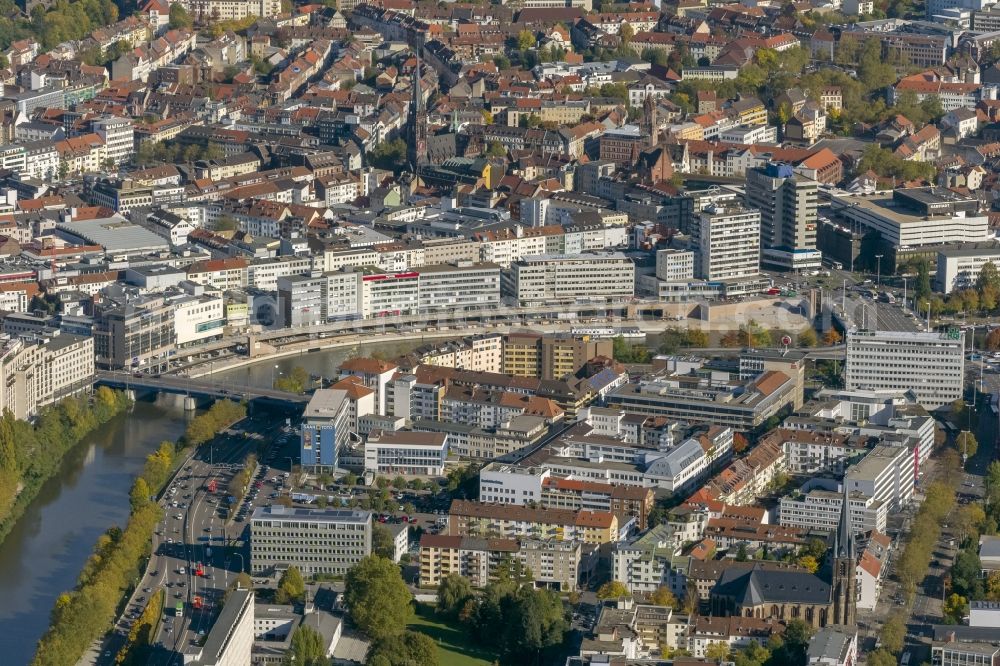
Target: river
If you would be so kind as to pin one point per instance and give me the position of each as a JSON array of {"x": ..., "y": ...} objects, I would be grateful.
[
  {"x": 317, "y": 363},
  {"x": 44, "y": 553}
]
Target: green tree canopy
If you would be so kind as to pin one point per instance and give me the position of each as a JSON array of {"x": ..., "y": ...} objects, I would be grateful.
[
  {"x": 377, "y": 598},
  {"x": 291, "y": 587}
]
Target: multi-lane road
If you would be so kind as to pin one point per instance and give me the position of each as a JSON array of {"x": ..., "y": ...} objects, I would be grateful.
[{"x": 197, "y": 550}]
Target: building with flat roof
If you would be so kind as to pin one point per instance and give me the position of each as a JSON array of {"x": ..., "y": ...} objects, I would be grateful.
[
  {"x": 409, "y": 453},
  {"x": 695, "y": 398},
  {"x": 505, "y": 521},
  {"x": 916, "y": 217},
  {"x": 886, "y": 475},
  {"x": 317, "y": 541},
  {"x": 230, "y": 640},
  {"x": 958, "y": 266},
  {"x": 325, "y": 429},
  {"x": 931, "y": 365},
  {"x": 547, "y": 278}
]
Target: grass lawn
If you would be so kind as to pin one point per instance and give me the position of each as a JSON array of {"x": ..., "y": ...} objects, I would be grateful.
[{"x": 454, "y": 645}]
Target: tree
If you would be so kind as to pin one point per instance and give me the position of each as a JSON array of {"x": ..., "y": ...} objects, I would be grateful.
[
  {"x": 496, "y": 149},
  {"x": 453, "y": 591},
  {"x": 662, "y": 596},
  {"x": 225, "y": 222},
  {"x": 409, "y": 648},
  {"x": 992, "y": 342},
  {"x": 795, "y": 643},
  {"x": 296, "y": 381},
  {"x": 139, "y": 495},
  {"x": 881, "y": 657},
  {"x": 831, "y": 338},
  {"x": 307, "y": 648},
  {"x": 807, "y": 338},
  {"x": 740, "y": 443},
  {"x": 741, "y": 553},
  {"x": 967, "y": 444},
  {"x": 894, "y": 633},
  {"x": 968, "y": 520},
  {"x": 627, "y": 32},
  {"x": 179, "y": 17},
  {"x": 717, "y": 652},
  {"x": 383, "y": 544},
  {"x": 955, "y": 608},
  {"x": 377, "y": 598},
  {"x": 612, "y": 590},
  {"x": 922, "y": 290},
  {"x": 525, "y": 40},
  {"x": 809, "y": 563},
  {"x": 389, "y": 155},
  {"x": 291, "y": 587}
]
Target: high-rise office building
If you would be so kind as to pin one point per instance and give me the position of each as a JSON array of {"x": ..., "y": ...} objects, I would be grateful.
[
  {"x": 727, "y": 246},
  {"x": 787, "y": 205},
  {"x": 932, "y": 365}
]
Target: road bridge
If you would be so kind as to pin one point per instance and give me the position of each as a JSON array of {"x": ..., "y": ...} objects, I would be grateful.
[{"x": 197, "y": 387}]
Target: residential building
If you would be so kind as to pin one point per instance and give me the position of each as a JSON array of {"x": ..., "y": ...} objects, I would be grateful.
[
  {"x": 958, "y": 266},
  {"x": 886, "y": 474},
  {"x": 504, "y": 521},
  {"x": 643, "y": 563},
  {"x": 833, "y": 646},
  {"x": 133, "y": 331},
  {"x": 316, "y": 541},
  {"x": 553, "y": 563}
]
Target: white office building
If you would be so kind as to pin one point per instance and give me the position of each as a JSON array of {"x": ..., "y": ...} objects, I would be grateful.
[
  {"x": 553, "y": 278},
  {"x": 462, "y": 285},
  {"x": 675, "y": 265},
  {"x": 820, "y": 509},
  {"x": 728, "y": 243},
  {"x": 406, "y": 452},
  {"x": 958, "y": 266},
  {"x": 886, "y": 475},
  {"x": 198, "y": 316},
  {"x": 230, "y": 640},
  {"x": 931, "y": 365},
  {"x": 317, "y": 541}
]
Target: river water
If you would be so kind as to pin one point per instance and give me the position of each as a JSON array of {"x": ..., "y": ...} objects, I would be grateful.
[{"x": 44, "y": 553}]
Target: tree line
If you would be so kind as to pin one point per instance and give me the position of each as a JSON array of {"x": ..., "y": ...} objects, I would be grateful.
[{"x": 32, "y": 453}]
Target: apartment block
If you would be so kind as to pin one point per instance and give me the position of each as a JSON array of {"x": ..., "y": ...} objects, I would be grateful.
[
  {"x": 552, "y": 355},
  {"x": 553, "y": 563},
  {"x": 504, "y": 521},
  {"x": 886, "y": 474},
  {"x": 787, "y": 205},
  {"x": 317, "y": 541}
]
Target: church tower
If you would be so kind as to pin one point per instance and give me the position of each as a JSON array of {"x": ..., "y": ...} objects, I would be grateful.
[
  {"x": 416, "y": 148},
  {"x": 649, "y": 120},
  {"x": 845, "y": 562}
]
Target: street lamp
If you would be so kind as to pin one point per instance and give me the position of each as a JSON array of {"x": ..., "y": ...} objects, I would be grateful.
[
  {"x": 878, "y": 270},
  {"x": 239, "y": 555},
  {"x": 904, "y": 294},
  {"x": 272, "y": 374}
]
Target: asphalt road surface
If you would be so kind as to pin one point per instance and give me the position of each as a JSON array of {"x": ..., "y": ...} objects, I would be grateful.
[{"x": 195, "y": 533}]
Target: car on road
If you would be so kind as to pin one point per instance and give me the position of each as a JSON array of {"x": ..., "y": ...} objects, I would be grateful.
[{"x": 181, "y": 571}]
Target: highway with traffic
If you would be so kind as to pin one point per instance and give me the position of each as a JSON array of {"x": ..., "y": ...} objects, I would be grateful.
[{"x": 198, "y": 549}]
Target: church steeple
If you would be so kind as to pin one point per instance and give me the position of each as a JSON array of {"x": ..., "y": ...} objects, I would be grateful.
[
  {"x": 416, "y": 148},
  {"x": 649, "y": 120},
  {"x": 845, "y": 561}
]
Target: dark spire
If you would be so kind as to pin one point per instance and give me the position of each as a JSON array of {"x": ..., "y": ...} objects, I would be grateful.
[
  {"x": 844, "y": 545},
  {"x": 416, "y": 149}
]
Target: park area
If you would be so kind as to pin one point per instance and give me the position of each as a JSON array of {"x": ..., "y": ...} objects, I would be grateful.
[{"x": 454, "y": 646}]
